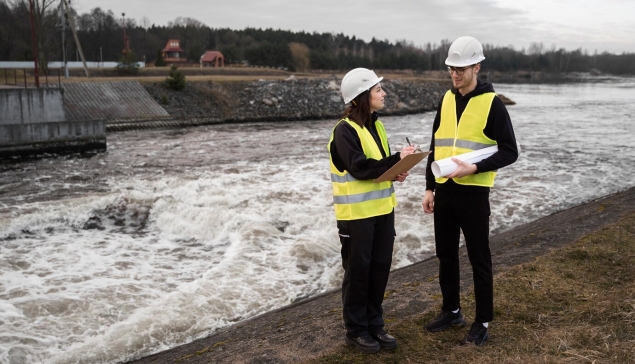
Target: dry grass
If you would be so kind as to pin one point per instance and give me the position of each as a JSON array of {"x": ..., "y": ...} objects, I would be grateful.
[
  {"x": 227, "y": 74},
  {"x": 573, "y": 305}
]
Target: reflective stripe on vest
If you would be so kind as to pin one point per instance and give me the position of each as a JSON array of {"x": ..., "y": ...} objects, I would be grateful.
[
  {"x": 361, "y": 197},
  {"x": 452, "y": 138},
  {"x": 357, "y": 199}
]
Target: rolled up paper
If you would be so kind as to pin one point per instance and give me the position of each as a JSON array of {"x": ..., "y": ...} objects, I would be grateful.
[{"x": 444, "y": 167}]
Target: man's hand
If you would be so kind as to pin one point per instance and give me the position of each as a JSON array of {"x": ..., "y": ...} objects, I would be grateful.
[
  {"x": 428, "y": 202},
  {"x": 464, "y": 169}
]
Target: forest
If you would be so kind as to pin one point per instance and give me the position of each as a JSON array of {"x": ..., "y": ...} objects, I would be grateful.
[{"x": 100, "y": 33}]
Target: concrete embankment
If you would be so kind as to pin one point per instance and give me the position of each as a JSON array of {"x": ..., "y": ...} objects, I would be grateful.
[{"x": 34, "y": 121}]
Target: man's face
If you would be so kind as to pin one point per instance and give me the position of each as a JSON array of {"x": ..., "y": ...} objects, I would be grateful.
[{"x": 463, "y": 77}]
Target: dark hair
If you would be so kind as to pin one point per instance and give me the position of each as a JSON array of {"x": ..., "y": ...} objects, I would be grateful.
[{"x": 359, "y": 109}]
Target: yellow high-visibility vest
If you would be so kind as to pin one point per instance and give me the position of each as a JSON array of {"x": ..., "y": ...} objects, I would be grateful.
[
  {"x": 452, "y": 138},
  {"x": 358, "y": 199}
]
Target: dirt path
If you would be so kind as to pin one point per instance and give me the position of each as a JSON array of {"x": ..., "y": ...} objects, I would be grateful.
[{"x": 312, "y": 328}]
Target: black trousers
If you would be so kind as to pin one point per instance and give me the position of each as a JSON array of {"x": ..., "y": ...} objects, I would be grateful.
[
  {"x": 468, "y": 212},
  {"x": 367, "y": 246}
]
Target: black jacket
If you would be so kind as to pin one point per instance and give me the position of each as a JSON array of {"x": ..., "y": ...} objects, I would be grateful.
[
  {"x": 498, "y": 127},
  {"x": 347, "y": 153}
]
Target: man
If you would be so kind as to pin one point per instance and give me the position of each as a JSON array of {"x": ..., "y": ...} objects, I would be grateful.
[{"x": 469, "y": 117}]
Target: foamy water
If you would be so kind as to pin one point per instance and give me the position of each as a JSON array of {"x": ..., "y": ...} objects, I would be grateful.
[{"x": 173, "y": 234}]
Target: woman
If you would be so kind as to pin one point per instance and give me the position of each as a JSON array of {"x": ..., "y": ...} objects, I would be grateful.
[{"x": 364, "y": 210}]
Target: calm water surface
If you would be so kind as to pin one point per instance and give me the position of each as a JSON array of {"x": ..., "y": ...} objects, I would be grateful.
[{"x": 173, "y": 234}]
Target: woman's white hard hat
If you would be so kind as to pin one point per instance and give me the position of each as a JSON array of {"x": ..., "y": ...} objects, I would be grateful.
[
  {"x": 465, "y": 51},
  {"x": 357, "y": 81}
]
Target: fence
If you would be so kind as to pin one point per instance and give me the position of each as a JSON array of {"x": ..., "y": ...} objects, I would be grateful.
[
  {"x": 11, "y": 64},
  {"x": 43, "y": 74}
]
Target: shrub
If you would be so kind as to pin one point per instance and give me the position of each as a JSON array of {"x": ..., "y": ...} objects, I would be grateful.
[
  {"x": 176, "y": 79},
  {"x": 128, "y": 64}
]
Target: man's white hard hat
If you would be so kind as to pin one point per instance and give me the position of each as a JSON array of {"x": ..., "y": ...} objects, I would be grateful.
[
  {"x": 465, "y": 51},
  {"x": 357, "y": 81}
]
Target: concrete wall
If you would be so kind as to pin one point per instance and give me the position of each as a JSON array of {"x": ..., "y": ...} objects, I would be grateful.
[
  {"x": 33, "y": 121},
  {"x": 112, "y": 101},
  {"x": 25, "y": 106}
]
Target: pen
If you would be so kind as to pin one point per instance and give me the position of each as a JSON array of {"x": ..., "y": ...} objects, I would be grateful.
[{"x": 408, "y": 141}]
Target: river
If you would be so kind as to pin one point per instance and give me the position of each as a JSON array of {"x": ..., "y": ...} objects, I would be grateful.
[{"x": 173, "y": 234}]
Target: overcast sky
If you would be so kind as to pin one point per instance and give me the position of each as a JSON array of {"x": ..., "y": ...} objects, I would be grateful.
[{"x": 602, "y": 25}]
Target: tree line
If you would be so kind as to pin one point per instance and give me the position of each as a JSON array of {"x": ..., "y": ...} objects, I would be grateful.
[{"x": 101, "y": 37}]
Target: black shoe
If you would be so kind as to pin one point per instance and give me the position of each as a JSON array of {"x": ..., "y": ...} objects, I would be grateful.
[
  {"x": 385, "y": 340},
  {"x": 477, "y": 335},
  {"x": 365, "y": 343},
  {"x": 445, "y": 320}
]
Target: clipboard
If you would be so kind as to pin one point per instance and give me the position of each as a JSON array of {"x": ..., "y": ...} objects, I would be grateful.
[{"x": 404, "y": 165}]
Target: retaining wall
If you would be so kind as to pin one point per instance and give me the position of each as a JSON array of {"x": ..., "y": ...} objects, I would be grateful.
[
  {"x": 111, "y": 101},
  {"x": 33, "y": 121},
  {"x": 25, "y": 106}
]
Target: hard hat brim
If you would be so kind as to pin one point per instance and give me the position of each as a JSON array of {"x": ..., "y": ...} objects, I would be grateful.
[{"x": 448, "y": 62}]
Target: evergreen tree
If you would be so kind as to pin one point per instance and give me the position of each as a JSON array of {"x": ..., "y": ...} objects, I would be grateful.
[
  {"x": 160, "y": 61},
  {"x": 176, "y": 79},
  {"x": 128, "y": 64}
]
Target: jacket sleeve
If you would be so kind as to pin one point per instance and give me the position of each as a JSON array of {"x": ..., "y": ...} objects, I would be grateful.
[
  {"x": 435, "y": 127},
  {"x": 347, "y": 154},
  {"x": 499, "y": 127}
]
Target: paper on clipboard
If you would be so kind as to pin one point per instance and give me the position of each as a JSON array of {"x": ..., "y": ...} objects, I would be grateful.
[{"x": 404, "y": 165}]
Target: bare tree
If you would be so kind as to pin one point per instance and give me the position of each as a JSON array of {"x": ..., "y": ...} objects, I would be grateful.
[
  {"x": 41, "y": 8},
  {"x": 145, "y": 22}
]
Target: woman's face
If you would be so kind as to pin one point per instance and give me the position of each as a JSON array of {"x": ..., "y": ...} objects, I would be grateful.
[{"x": 376, "y": 98}]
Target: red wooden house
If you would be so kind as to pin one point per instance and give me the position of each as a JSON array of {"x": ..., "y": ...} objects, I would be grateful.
[{"x": 172, "y": 53}]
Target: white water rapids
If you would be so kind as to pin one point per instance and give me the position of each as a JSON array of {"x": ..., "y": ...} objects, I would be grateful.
[{"x": 173, "y": 234}]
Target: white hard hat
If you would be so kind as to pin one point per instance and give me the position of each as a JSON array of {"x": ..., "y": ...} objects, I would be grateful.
[
  {"x": 465, "y": 51},
  {"x": 357, "y": 81}
]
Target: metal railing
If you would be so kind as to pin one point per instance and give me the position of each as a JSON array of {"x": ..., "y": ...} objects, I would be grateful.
[{"x": 23, "y": 80}]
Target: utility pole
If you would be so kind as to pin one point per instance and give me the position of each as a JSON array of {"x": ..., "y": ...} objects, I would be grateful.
[
  {"x": 79, "y": 46},
  {"x": 63, "y": 20},
  {"x": 34, "y": 46}
]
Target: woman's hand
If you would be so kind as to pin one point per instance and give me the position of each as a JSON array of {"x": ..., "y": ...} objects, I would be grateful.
[
  {"x": 406, "y": 150},
  {"x": 402, "y": 177}
]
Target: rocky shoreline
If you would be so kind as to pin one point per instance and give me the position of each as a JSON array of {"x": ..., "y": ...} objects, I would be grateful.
[{"x": 282, "y": 100}]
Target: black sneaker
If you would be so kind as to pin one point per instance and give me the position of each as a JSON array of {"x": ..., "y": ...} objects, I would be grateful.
[
  {"x": 445, "y": 320},
  {"x": 365, "y": 343},
  {"x": 385, "y": 340},
  {"x": 477, "y": 335}
]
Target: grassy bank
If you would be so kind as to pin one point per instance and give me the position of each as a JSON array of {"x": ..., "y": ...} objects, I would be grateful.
[
  {"x": 226, "y": 74},
  {"x": 572, "y": 305}
]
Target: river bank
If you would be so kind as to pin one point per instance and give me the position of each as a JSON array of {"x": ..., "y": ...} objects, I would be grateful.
[
  {"x": 312, "y": 329},
  {"x": 281, "y": 100}
]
